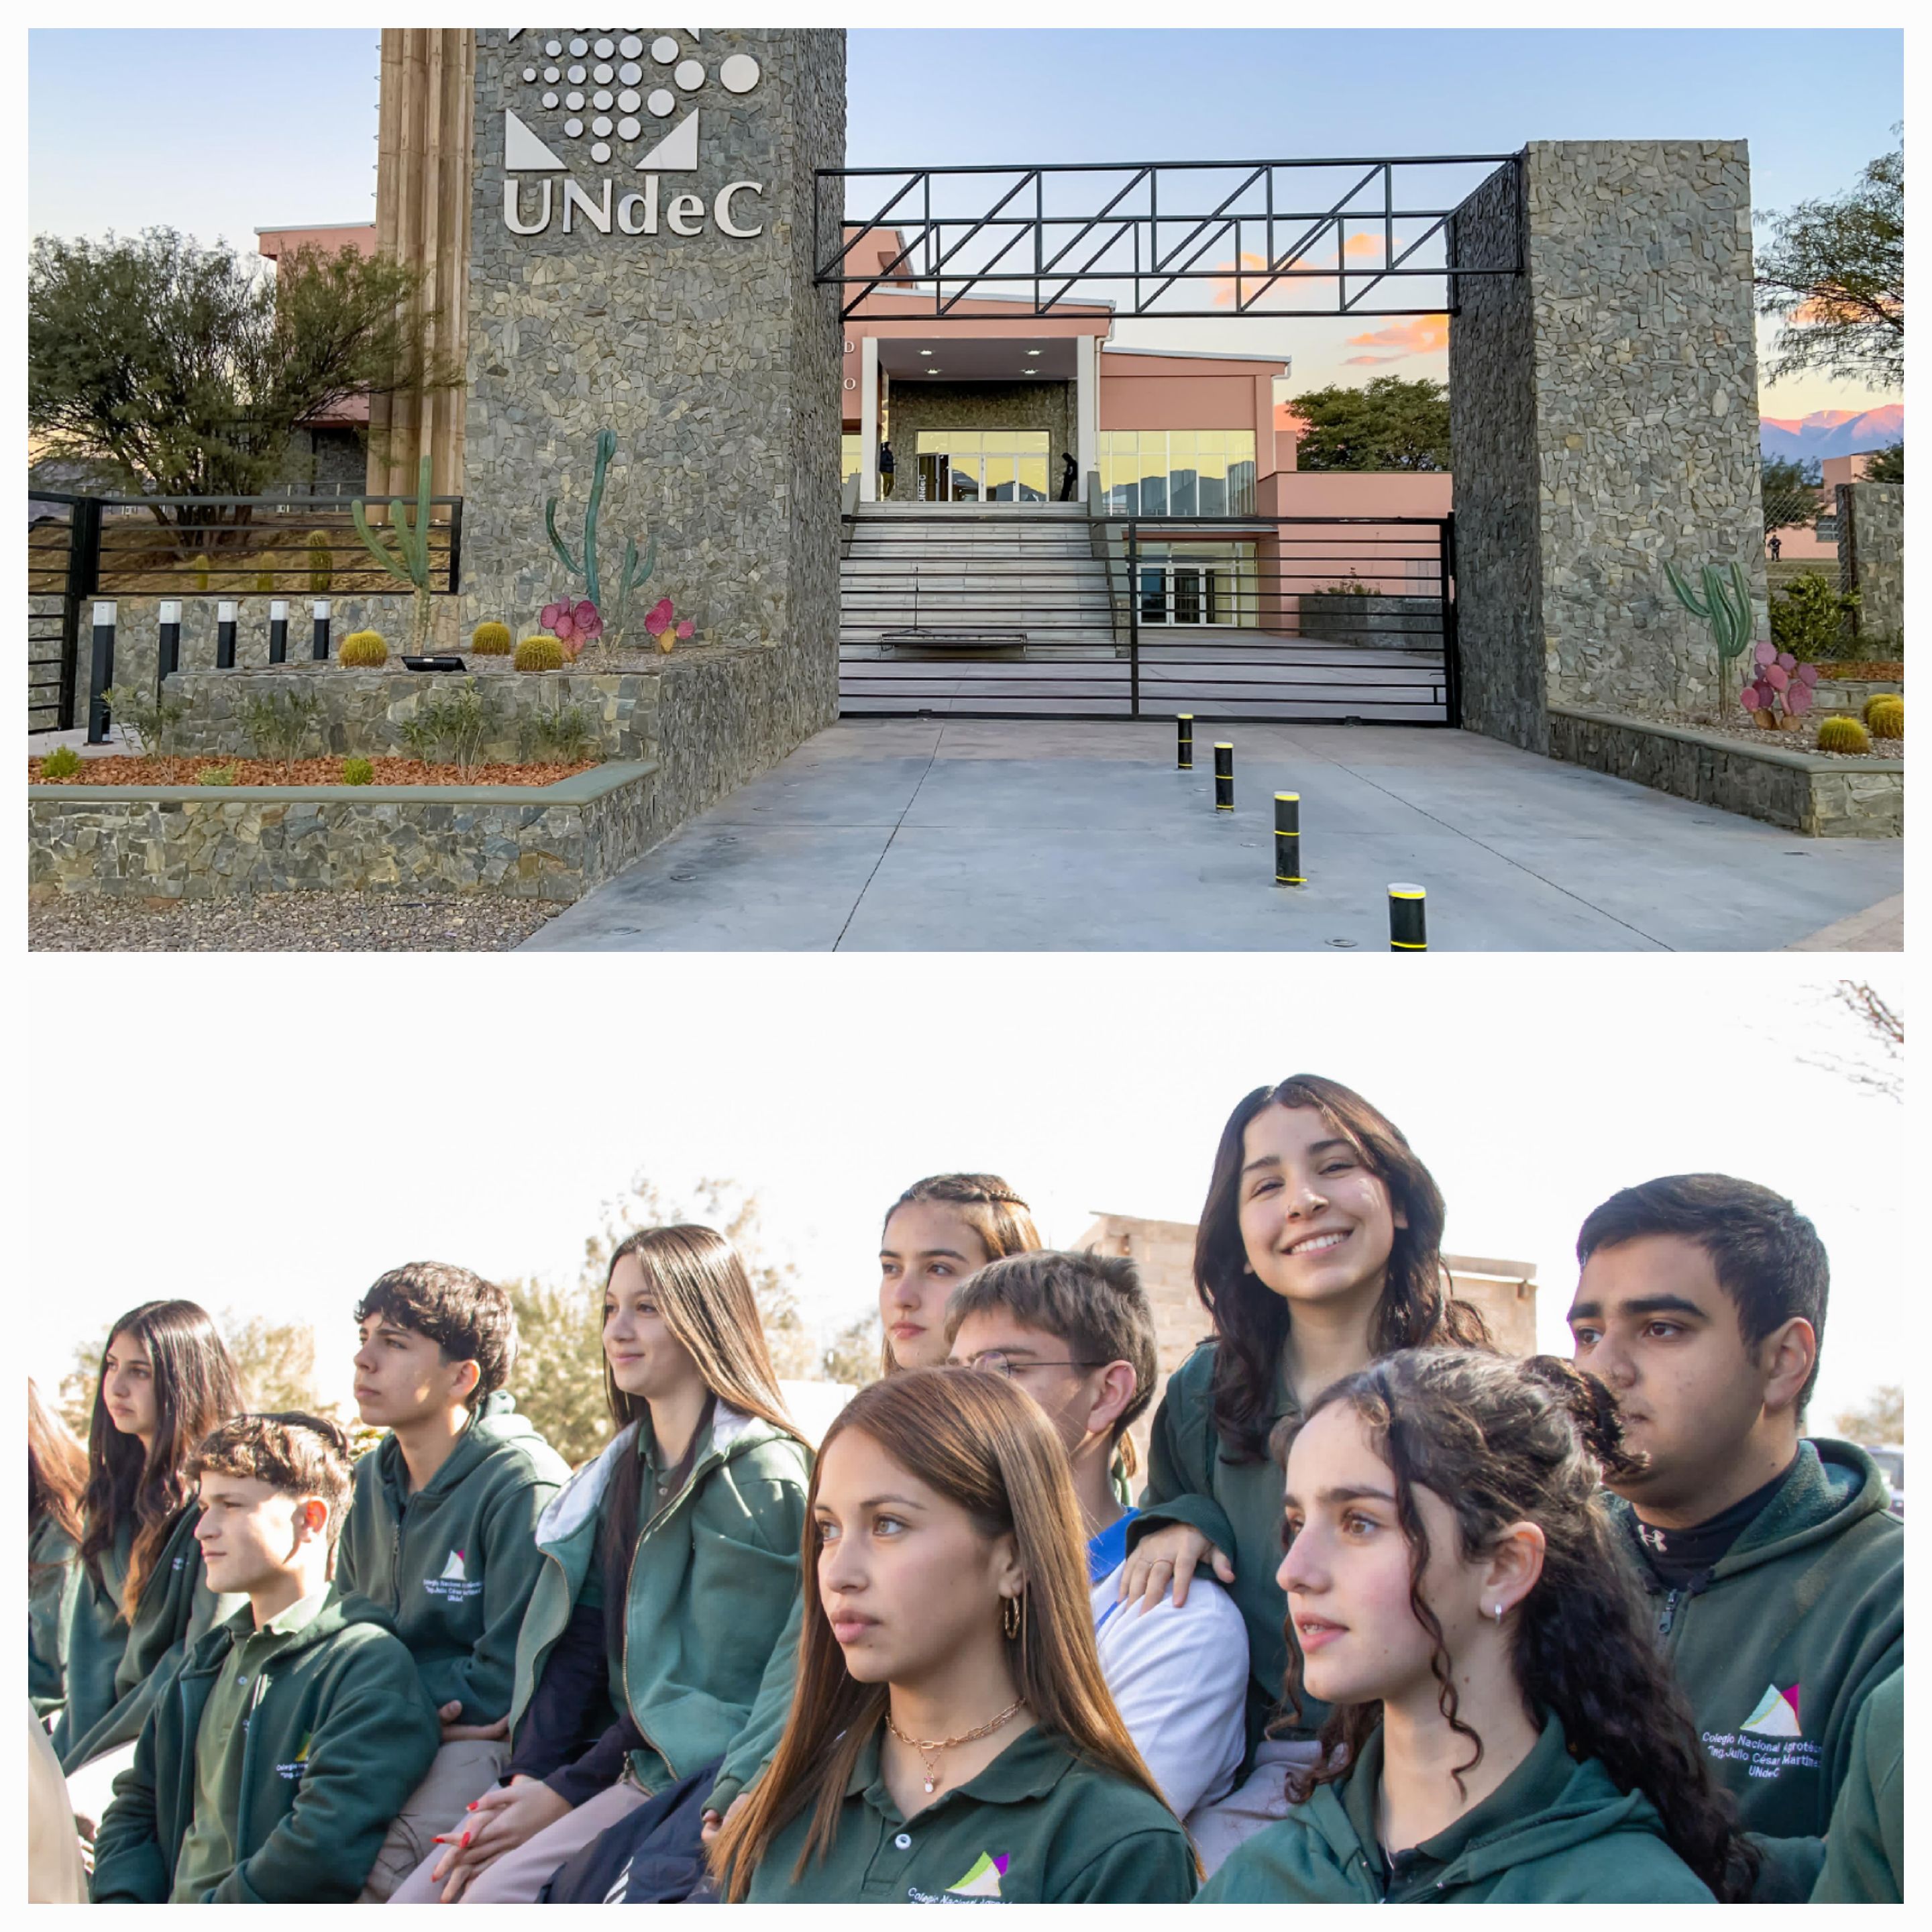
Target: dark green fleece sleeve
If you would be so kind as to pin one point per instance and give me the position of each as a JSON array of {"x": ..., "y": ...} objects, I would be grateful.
[
  {"x": 1864, "y": 1850},
  {"x": 511, "y": 1563},
  {"x": 375, "y": 1737},
  {"x": 129, "y": 1866},
  {"x": 753, "y": 1748},
  {"x": 1179, "y": 1474}
]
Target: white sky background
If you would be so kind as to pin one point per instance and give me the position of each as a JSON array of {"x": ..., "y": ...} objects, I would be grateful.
[{"x": 274, "y": 1142}]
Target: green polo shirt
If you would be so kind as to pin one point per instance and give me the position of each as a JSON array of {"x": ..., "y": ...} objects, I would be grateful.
[
  {"x": 1038, "y": 1826},
  {"x": 220, "y": 1748}
]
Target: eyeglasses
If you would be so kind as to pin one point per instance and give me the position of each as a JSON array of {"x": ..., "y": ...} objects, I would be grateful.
[{"x": 994, "y": 1363}]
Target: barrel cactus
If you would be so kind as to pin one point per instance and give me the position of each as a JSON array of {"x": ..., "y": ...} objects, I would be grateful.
[
  {"x": 1885, "y": 717},
  {"x": 1842, "y": 734},
  {"x": 539, "y": 653},
  {"x": 491, "y": 641},
  {"x": 358, "y": 772},
  {"x": 321, "y": 563},
  {"x": 364, "y": 650}
]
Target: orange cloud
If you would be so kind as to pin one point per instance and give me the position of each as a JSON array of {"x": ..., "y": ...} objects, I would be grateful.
[
  {"x": 1412, "y": 335},
  {"x": 1354, "y": 248}
]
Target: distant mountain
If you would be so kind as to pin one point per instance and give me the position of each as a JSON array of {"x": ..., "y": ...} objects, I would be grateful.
[{"x": 1832, "y": 432}]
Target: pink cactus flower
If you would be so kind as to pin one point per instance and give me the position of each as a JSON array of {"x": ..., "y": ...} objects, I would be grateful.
[{"x": 684, "y": 629}]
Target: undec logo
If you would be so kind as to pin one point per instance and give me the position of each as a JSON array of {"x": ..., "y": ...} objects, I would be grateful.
[{"x": 595, "y": 87}]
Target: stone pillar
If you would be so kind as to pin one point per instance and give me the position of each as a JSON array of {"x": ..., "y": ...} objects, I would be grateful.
[
  {"x": 422, "y": 218},
  {"x": 643, "y": 264},
  {"x": 869, "y": 420},
  {"x": 1871, "y": 561},
  {"x": 1603, "y": 417}
]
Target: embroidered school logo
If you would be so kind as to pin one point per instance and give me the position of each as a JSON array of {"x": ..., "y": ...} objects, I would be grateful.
[
  {"x": 296, "y": 1765},
  {"x": 1776, "y": 1715},
  {"x": 454, "y": 1585},
  {"x": 983, "y": 1880}
]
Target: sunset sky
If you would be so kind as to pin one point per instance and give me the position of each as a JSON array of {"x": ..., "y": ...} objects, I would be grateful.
[{"x": 220, "y": 131}]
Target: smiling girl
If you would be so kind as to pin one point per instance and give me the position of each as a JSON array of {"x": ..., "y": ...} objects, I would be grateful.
[
  {"x": 1502, "y": 1727},
  {"x": 166, "y": 1379},
  {"x": 1319, "y": 1248},
  {"x": 670, "y": 1564},
  {"x": 952, "y": 1737}
]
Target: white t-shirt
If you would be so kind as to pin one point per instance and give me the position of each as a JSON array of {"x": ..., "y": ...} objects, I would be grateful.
[{"x": 1179, "y": 1677}]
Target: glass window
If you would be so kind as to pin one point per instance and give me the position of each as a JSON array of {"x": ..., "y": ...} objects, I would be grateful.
[
  {"x": 1212, "y": 462},
  {"x": 1032, "y": 478},
  {"x": 1183, "y": 497},
  {"x": 851, "y": 457},
  {"x": 1154, "y": 474},
  {"x": 1241, "y": 473}
]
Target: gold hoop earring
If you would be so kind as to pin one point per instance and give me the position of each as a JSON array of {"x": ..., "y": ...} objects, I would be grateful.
[{"x": 1012, "y": 1617}]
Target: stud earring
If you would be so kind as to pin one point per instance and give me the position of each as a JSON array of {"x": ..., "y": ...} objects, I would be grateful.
[{"x": 1496, "y": 1611}]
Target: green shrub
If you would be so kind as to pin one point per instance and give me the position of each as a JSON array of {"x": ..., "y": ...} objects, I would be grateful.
[
  {"x": 265, "y": 583},
  {"x": 1885, "y": 717},
  {"x": 321, "y": 563},
  {"x": 539, "y": 653},
  {"x": 1813, "y": 620},
  {"x": 215, "y": 775},
  {"x": 151, "y": 721},
  {"x": 278, "y": 722},
  {"x": 561, "y": 736},
  {"x": 456, "y": 723},
  {"x": 364, "y": 650},
  {"x": 491, "y": 641},
  {"x": 1842, "y": 734},
  {"x": 358, "y": 771},
  {"x": 62, "y": 762}
]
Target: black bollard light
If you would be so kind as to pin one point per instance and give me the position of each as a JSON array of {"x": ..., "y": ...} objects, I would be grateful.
[
  {"x": 320, "y": 652},
  {"x": 1288, "y": 838},
  {"x": 1184, "y": 742},
  {"x": 167, "y": 656},
  {"x": 224, "y": 636},
  {"x": 278, "y": 632},
  {"x": 1409, "y": 931},
  {"x": 1224, "y": 777},
  {"x": 100, "y": 675}
]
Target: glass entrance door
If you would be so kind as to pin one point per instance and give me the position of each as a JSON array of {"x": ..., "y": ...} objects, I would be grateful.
[
  {"x": 992, "y": 466},
  {"x": 1195, "y": 593}
]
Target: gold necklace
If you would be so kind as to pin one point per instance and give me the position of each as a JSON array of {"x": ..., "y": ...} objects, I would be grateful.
[{"x": 928, "y": 1748}]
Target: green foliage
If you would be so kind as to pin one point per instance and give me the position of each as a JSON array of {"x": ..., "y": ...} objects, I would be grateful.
[
  {"x": 491, "y": 641},
  {"x": 358, "y": 772},
  {"x": 215, "y": 775},
  {"x": 364, "y": 650},
  {"x": 561, "y": 736},
  {"x": 1833, "y": 274},
  {"x": 630, "y": 575},
  {"x": 853, "y": 1356},
  {"x": 1349, "y": 586},
  {"x": 539, "y": 653},
  {"x": 1842, "y": 734},
  {"x": 62, "y": 762},
  {"x": 1790, "y": 492},
  {"x": 201, "y": 576},
  {"x": 150, "y": 720},
  {"x": 1813, "y": 620},
  {"x": 1885, "y": 717},
  {"x": 1725, "y": 610},
  {"x": 321, "y": 563},
  {"x": 450, "y": 727},
  {"x": 265, "y": 583},
  {"x": 404, "y": 554},
  {"x": 179, "y": 370},
  {"x": 1390, "y": 424},
  {"x": 278, "y": 722},
  {"x": 1887, "y": 465}
]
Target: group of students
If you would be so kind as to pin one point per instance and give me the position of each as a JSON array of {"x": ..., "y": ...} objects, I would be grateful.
[{"x": 1397, "y": 1617}]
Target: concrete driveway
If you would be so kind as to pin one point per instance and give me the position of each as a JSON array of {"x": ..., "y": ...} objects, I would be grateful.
[{"x": 939, "y": 834}]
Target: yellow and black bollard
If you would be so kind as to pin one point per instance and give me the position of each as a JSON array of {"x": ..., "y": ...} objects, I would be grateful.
[
  {"x": 1288, "y": 838},
  {"x": 1184, "y": 742},
  {"x": 1409, "y": 931},
  {"x": 1224, "y": 777}
]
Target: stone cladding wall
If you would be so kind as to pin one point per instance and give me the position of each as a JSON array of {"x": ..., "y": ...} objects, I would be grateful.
[
  {"x": 950, "y": 406},
  {"x": 713, "y": 358},
  {"x": 1604, "y": 420},
  {"x": 1871, "y": 527}
]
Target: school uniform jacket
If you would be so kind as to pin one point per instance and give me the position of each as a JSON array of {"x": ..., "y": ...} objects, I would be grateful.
[
  {"x": 714, "y": 1577},
  {"x": 339, "y": 1732},
  {"x": 1864, "y": 1850},
  {"x": 454, "y": 1564},
  {"x": 1795, "y": 1628},
  {"x": 1554, "y": 1832},
  {"x": 50, "y": 1552}
]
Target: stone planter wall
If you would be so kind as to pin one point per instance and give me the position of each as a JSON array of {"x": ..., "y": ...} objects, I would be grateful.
[
  {"x": 1378, "y": 623},
  {"x": 1830, "y": 798},
  {"x": 1846, "y": 697}
]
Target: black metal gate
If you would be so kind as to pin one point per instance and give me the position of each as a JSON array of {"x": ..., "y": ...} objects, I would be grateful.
[
  {"x": 63, "y": 534},
  {"x": 1046, "y": 611}
]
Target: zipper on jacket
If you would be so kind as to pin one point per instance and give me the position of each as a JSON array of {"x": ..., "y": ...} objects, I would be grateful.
[{"x": 1667, "y": 1616}]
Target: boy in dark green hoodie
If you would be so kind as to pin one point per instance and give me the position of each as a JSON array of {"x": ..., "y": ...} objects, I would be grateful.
[
  {"x": 1775, "y": 1573},
  {"x": 441, "y": 1534},
  {"x": 274, "y": 1757}
]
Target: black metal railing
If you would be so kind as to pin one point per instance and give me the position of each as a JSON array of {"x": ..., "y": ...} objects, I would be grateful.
[
  {"x": 79, "y": 547},
  {"x": 1355, "y": 237},
  {"x": 1025, "y": 614}
]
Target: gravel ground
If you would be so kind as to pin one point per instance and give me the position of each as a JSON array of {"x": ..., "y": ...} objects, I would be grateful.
[
  {"x": 1804, "y": 739},
  {"x": 285, "y": 922}
]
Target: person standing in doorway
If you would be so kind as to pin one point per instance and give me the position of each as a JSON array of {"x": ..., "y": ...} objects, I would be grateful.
[
  {"x": 1069, "y": 476},
  {"x": 885, "y": 469}
]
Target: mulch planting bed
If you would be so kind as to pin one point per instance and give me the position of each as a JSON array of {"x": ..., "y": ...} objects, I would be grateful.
[
  {"x": 1879, "y": 671},
  {"x": 285, "y": 922},
  {"x": 1884, "y": 750},
  {"x": 300, "y": 772}
]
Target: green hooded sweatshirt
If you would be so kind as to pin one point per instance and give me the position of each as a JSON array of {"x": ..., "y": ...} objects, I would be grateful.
[
  {"x": 1801, "y": 1621},
  {"x": 454, "y": 1564},
  {"x": 1238, "y": 1507},
  {"x": 340, "y": 1732},
  {"x": 1864, "y": 1850},
  {"x": 714, "y": 1577},
  {"x": 757, "y": 1743},
  {"x": 111, "y": 1668},
  {"x": 52, "y": 1576},
  {"x": 1554, "y": 1832}
]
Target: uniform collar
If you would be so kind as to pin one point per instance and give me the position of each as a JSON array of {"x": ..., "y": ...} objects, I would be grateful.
[
  {"x": 1030, "y": 1767},
  {"x": 1107, "y": 1551}
]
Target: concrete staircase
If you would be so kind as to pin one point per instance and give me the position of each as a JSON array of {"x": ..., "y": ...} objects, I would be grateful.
[{"x": 968, "y": 580}]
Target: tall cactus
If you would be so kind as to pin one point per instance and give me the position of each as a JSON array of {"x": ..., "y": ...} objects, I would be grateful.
[
  {"x": 1725, "y": 611},
  {"x": 408, "y": 561},
  {"x": 630, "y": 577}
]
